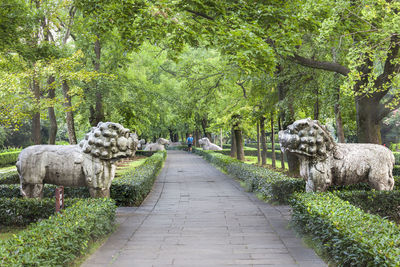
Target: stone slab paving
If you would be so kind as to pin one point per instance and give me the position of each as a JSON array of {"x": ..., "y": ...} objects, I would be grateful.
[{"x": 198, "y": 216}]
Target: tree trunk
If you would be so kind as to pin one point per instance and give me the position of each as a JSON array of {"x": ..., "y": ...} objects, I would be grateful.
[
  {"x": 263, "y": 142},
  {"x": 282, "y": 156},
  {"x": 239, "y": 144},
  {"x": 273, "y": 141},
  {"x": 368, "y": 127},
  {"x": 338, "y": 118},
  {"x": 97, "y": 114},
  {"x": 316, "y": 105},
  {"x": 221, "y": 139},
  {"x": 233, "y": 144},
  {"x": 196, "y": 138},
  {"x": 36, "y": 136},
  {"x": 258, "y": 145},
  {"x": 52, "y": 114},
  {"x": 69, "y": 115}
]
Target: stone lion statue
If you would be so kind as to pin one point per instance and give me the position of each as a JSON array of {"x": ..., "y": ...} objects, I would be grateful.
[
  {"x": 158, "y": 146},
  {"x": 207, "y": 145},
  {"x": 141, "y": 144},
  {"x": 90, "y": 164},
  {"x": 323, "y": 162}
]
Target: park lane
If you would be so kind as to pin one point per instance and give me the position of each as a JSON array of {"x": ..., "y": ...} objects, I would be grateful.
[{"x": 198, "y": 216}]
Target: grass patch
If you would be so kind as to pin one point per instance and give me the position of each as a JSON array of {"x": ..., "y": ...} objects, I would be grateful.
[
  {"x": 8, "y": 169},
  {"x": 136, "y": 162}
]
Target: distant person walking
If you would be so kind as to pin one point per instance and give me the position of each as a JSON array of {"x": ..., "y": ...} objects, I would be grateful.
[{"x": 189, "y": 142}]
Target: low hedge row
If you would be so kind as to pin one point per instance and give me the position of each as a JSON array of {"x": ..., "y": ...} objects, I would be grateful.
[
  {"x": 59, "y": 239},
  {"x": 8, "y": 158},
  {"x": 129, "y": 189},
  {"x": 396, "y": 170},
  {"x": 133, "y": 186},
  {"x": 397, "y": 157},
  {"x": 383, "y": 203},
  {"x": 273, "y": 186},
  {"x": 145, "y": 153},
  {"x": 10, "y": 177},
  {"x": 348, "y": 234},
  {"x": 21, "y": 212}
]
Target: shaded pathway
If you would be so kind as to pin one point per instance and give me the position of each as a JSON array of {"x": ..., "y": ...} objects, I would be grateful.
[{"x": 197, "y": 216}]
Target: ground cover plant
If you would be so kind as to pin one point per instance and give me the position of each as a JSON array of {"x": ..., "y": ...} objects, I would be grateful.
[{"x": 59, "y": 239}]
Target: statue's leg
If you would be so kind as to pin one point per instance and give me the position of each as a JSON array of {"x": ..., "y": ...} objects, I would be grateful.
[
  {"x": 99, "y": 193},
  {"x": 37, "y": 191},
  {"x": 380, "y": 181},
  {"x": 26, "y": 190},
  {"x": 310, "y": 186}
]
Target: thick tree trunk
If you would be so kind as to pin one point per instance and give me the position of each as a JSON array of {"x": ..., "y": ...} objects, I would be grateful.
[
  {"x": 282, "y": 156},
  {"x": 97, "y": 114},
  {"x": 52, "y": 114},
  {"x": 273, "y": 141},
  {"x": 36, "y": 136},
  {"x": 196, "y": 138},
  {"x": 263, "y": 142},
  {"x": 338, "y": 118},
  {"x": 316, "y": 106},
  {"x": 233, "y": 144},
  {"x": 239, "y": 144},
  {"x": 368, "y": 125},
  {"x": 69, "y": 115},
  {"x": 258, "y": 144},
  {"x": 204, "y": 126}
]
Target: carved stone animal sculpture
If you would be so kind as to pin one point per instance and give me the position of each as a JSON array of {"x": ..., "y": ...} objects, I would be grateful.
[
  {"x": 141, "y": 144},
  {"x": 90, "y": 164},
  {"x": 207, "y": 145},
  {"x": 324, "y": 162},
  {"x": 158, "y": 146}
]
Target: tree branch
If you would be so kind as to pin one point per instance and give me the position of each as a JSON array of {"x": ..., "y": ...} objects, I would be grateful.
[
  {"x": 199, "y": 14},
  {"x": 323, "y": 65},
  {"x": 241, "y": 84}
]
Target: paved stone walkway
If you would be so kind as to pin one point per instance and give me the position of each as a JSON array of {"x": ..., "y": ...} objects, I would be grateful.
[{"x": 197, "y": 216}]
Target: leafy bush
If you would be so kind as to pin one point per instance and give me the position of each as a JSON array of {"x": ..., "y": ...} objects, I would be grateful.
[
  {"x": 61, "y": 238},
  {"x": 20, "y": 211},
  {"x": 397, "y": 158},
  {"x": 134, "y": 185},
  {"x": 396, "y": 170},
  {"x": 348, "y": 234},
  {"x": 250, "y": 152},
  {"x": 8, "y": 158},
  {"x": 10, "y": 149},
  {"x": 273, "y": 186},
  {"x": 10, "y": 177},
  {"x": 145, "y": 153},
  {"x": 383, "y": 203}
]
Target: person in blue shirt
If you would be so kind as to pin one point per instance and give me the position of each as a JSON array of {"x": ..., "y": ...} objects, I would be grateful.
[{"x": 189, "y": 142}]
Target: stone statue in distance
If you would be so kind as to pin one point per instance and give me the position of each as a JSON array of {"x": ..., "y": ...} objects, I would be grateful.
[
  {"x": 323, "y": 162},
  {"x": 90, "y": 164}
]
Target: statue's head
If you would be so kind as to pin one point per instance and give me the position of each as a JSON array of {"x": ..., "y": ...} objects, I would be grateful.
[
  {"x": 306, "y": 137},
  {"x": 109, "y": 141},
  {"x": 163, "y": 141},
  {"x": 204, "y": 141}
]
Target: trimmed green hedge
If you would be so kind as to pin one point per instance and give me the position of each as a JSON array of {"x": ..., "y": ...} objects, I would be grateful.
[
  {"x": 251, "y": 152},
  {"x": 396, "y": 170},
  {"x": 145, "y": 153},
  {"x": 10, "y": 177},
  {"x": 397, "y": 158},
  {"x": 59, "y": 239},
  {"x": 383, "y": 203},
  {"x": 132, "y": 187},
  {"x": 273, "y": 186},
  {"x": 8, "y": 158},
  {"x": 21, "y": 212},
  {"x": 348, "y": 234}
]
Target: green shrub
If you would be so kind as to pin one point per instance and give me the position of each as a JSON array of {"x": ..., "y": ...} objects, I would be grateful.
[
  {"x": 133, "y": 186},
  {"x": 8, "y": 158},
  {"x": 396, "y": 158},
  {"x": 396, "y": 170},
  {"x": 145, "y": 153},
  {"x": 10, "y": 177},
  {"x": 383, "y": 203},
  {"x": 351, "y": 236},
  {"x": 21, "y": 212},
  {"x": 59, "y": 239},
  {"x": 250, "y": 152},
  {"x": 273, "y": 186}
]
